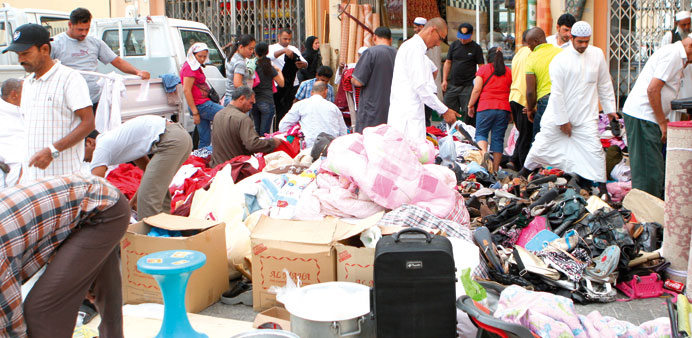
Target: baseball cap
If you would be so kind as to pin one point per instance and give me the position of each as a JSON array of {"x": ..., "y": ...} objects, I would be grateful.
[
  {"x": 420, "y": 21},
  {"x": 28, "y": 35},
  {"x": 465, "y": 31}
]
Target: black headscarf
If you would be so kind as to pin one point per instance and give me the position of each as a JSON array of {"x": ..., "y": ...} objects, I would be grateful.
[{"x": 314, "y": 59}]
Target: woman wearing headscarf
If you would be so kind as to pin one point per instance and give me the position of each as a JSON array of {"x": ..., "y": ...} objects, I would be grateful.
[
  {"x": 313, "y": 57},
  {"x": 237, "y": 74},
  {"x": 196, "y": 90},
  {"x": 491, "y": 89}
]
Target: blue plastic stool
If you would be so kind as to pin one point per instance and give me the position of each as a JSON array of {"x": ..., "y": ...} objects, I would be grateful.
[{"x": 172, "y": 270}]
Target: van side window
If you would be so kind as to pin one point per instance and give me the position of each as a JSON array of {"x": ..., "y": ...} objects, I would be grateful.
[
  {"x": 54, "y": 25},
  {"x": 133, "y": 41},
  {"x": 191, "y": 37}
]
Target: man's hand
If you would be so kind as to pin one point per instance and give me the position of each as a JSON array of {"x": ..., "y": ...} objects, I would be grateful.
[
  {"x": 664, "y": 131},
  {"x": 196, "y": 119},
  {"x": 530, "y": 113},
  {"x": 444, "y": 86},
  {"x": 41, "y": 159},
  {"x": 133, "y": 201},
  {"x": 301, "y": 64},
  {"x": 471, "y": 111},
  {"x": 277, "y": 142},
  {"x": 567, "y": 129},
  {"x": 450, "y": 116},
  {"x": 144, "y": 74},
  {"x": 288, "y": 52}
]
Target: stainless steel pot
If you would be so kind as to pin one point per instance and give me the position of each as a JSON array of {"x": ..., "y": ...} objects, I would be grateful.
[
  {"x": 361, "y": 327},
  {"x": 332, "y": 309}
]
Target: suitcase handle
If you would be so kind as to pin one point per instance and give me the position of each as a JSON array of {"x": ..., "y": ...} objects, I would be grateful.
[{"x": 428, "y": 236}]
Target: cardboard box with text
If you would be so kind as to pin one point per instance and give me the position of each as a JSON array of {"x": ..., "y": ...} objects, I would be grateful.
[
  {"x": 304, "y": 248},
  {"x": 206, "y": 284}
]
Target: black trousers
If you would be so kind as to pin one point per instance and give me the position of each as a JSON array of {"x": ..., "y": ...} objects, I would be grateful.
[{"x": 525, "y": 128}]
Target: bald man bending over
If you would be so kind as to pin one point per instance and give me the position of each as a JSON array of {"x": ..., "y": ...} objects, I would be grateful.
[{"x": 413, "y": 86}]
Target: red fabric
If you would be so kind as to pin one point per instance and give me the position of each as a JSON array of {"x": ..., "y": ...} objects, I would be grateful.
[
  {"x": 348, "y": 85},
  {"x": 242, "y": 167},
  {"x": 126, "y": 177},
  {"x": 340, "y": 99},
  {"x": 435, "y": 131},
  {"x": 495, "y": 94},
  {"x": 292, "y": 149}
]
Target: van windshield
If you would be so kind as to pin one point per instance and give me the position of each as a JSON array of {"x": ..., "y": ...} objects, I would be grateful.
[
  {"x": 191, "y": 37},
  {"x": 55, "y": 25}
]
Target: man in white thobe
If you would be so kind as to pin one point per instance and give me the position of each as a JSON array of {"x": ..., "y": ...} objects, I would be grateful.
[
  {"x": 12, "y": 133},
  {"x": 569, "y": 138},
  {"x": 681, "y": 31},
  {"x": 411, "y": 83}
]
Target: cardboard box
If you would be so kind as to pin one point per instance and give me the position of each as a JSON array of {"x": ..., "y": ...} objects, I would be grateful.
[
  {"x": 304, "y": 248},
  {"x": 355, "y": 264},
  {"x": 206, "y": 284},
  {"x": 276, "y": 315}
]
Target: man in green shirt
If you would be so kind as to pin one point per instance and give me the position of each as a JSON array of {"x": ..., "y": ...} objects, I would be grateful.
[{"x": 538, "y": 75}]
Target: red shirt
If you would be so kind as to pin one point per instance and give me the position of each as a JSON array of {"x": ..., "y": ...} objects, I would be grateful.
[
  {"x": 495, "y": 93},
  {"x": 200, "y": 81}
]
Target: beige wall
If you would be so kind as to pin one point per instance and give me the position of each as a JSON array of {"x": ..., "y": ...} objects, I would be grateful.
[
  {"x": 146, "y": 7},
  {"x": 98, "y": 8}
]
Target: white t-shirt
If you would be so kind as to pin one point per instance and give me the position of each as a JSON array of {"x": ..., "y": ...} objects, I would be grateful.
[
  {"x": 666, "y": 64},
  {"x": 132, "y": 140},
  {"x": 83, "y": 55},
  {"x": 553, "y": 40},
  {"x": 280, "y": 61}
]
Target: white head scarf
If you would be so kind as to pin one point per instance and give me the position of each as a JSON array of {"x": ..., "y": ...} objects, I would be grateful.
[
  {"x": 682, "y": 15},
  {"x": 581, "y": 29},
  {"x": 191, "y": 59}
]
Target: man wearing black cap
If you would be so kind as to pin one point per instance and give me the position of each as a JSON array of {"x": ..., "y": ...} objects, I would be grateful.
[
  {"x": 463, "y": 57},
  {"x": 55, "y": 105}
]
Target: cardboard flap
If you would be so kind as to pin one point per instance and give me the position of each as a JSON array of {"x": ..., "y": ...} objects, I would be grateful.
[
  {"x": 172, "y": 222},
  {"x": 313, "y": 232},
  {"x": 345, "y": 230}
]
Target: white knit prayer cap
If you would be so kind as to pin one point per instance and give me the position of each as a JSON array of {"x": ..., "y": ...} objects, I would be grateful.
[{"x": 581, "y": 29}]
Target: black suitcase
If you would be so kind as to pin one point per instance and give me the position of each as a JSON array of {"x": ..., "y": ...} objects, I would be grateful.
[{"x": 414, "y": 292}]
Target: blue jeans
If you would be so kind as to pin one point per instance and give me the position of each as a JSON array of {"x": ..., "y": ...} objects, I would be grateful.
[
  {"x": 494, "y": 120},
  {"x": 540, "y": 109},
  {"x": 262, "y": 114},
  {"x": 207, "y": 111}
]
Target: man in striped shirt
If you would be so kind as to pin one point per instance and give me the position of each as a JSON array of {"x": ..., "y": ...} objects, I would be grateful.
[
  {"x": 55, "y": 104},
  {"x": 76, "y": 223}
]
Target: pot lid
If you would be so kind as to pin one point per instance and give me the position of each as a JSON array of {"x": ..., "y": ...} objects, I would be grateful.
[{"x": 331, "y": 301}]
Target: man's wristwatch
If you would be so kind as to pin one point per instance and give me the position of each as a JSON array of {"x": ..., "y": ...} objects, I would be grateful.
[{"x": 53, "y": 152}]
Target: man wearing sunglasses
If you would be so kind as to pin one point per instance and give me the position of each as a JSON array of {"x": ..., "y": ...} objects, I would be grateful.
[{"x": 413, "y": 85}]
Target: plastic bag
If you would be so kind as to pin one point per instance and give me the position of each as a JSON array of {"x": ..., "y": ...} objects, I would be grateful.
[
  {"x": 223, "y": 202},
  {"x": 448, "y": 150}
]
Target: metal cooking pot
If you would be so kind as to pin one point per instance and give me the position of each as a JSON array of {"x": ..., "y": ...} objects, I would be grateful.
[
  {"x": 333, "y": 309},
  {"x": 362, "y": 326},
  {"x": 267, "y": 334}
]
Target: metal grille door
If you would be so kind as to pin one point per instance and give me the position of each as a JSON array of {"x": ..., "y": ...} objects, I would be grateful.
[
  {"x": 260, "y": 18},
  {"x": 636, "y": 29}
]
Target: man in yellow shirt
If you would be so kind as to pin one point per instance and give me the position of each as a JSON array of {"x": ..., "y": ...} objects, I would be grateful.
[
  {"x": 517, "y": 102},
  {"x": 537, "y": 75}
]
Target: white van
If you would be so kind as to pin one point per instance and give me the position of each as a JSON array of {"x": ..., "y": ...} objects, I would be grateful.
[{"x": 156, "y": 44}]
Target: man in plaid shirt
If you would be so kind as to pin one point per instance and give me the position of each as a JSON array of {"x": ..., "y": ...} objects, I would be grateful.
[{"x": 76, "y": 223}]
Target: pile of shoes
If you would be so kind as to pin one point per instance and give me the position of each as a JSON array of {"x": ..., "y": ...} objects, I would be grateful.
[{"x": 548, "y": 233}]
